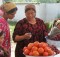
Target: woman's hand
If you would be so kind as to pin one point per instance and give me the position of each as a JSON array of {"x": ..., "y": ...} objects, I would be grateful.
[
  {"x": 27, "y": 35},
  {"x": 6, "y": 52}
]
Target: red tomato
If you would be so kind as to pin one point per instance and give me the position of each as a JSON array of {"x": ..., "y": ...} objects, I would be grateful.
[
  {"x": 30, "y": 45},
  {"x": 24, "y": 48},
  {"x": 36, "y": 43},
  {"x": 41, "y": 50},
  {"x": 45, "y": 54},
  {"x": 31, "y": 53},
  {"x": 34, "y": 48},
  {"x": 26, "y": 51},
  {"x": 35, "y": 53},
  {"x": 43, "y": 44}
]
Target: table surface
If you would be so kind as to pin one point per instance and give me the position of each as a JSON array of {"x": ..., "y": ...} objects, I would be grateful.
[{"x": 57, "y": 55}]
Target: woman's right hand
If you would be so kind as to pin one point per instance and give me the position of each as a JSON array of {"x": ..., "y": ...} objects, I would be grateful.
[{"x": 27, "y": 35}]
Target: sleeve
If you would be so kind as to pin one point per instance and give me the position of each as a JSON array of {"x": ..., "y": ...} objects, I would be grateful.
[
  {"x": 17, "y": 30},
  {"x": 44, "y": 29},
  {"x": 53, "y": 31},
  {"x": 1, "y": 26}
]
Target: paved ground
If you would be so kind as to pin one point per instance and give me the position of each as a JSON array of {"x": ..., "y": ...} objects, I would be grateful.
[{"x": 13, "y": 49}]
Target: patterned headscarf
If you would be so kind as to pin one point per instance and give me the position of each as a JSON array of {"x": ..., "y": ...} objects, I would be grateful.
[
  {"x": 30, "y": 6},
  {"x": 8, "y": 6}
]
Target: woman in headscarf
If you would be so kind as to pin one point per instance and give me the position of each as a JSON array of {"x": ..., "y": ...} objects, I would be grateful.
[
  {"x": 9, "y": 10},
  {"x": 28, "y": 30}
]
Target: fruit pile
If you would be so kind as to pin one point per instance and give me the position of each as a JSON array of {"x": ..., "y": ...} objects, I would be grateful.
[
  {"x": 38, "y": 49},
  {"x": 55, "y": 37}
]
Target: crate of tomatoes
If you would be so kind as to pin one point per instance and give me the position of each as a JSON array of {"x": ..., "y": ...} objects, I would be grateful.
[{"x": 40, "y": 49}]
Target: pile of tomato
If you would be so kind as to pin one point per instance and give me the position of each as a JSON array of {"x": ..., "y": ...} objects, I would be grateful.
[{"x": 38, "y": 49}]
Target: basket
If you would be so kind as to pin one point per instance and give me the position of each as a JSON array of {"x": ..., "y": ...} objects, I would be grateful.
[
  {"x": 53, "y": 42},
  {"x": 39, "y": 56}
]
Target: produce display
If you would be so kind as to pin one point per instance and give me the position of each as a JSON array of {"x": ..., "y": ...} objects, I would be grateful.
[
  {"x": 55, "y": 37},
  {"x": 53, "y": 41},
  {"x": 40, "y": 49}
]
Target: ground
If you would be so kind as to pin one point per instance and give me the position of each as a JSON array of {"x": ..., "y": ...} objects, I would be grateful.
[
  {"x": 12, "y": 26},
  {"x": 13, "y": 49}
]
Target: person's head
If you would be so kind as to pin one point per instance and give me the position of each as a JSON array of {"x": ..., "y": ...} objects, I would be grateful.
[
  {"x": 58, "y": 24},
  {"x": 30, "y": 11},
  {"x": 1, "y": 36},
  {"x": 9, "y": 9},
  {"x": 54, "y": 23}
]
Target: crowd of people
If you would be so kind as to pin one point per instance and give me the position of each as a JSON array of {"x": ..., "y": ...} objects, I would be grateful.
[{"x": 27, "y": 30}]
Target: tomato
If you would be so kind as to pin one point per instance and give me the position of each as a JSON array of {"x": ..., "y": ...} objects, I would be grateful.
[
  {"x": 47, "y": 48},
  {"x": 26, "y": 51},
  {"x": 31, "y": 53},
  {"x": 36, "y": 43},
  {"x": 34, "y": 48},
  {"x": 43, "y": 44},
  {"x": 35, "y": 53},
  {"x": 50, "y": 52},
  {"x": 24, "y": 48},
  {"x": 30, "y": 45},
  {"x": 40, "y": 50},
  {"x": 45, "y": 54}
]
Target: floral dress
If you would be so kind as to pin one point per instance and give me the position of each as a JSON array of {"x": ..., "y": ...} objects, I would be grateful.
[
  {"x": 3, "y": 52},
  {"x": 37, "y": 30},
  {"x": 5, "y": 27}
]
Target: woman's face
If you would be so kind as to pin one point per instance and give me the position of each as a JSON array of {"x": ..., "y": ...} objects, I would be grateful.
[
  {"x": 12, "y": 15},
  {"x": 30, "y": 14}
]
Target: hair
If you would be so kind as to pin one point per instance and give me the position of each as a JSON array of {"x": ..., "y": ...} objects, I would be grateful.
[
  {"x": 27, "y": 9},
  {"x": 54, "y": 23},
  {"x": 13, "y": 10}
]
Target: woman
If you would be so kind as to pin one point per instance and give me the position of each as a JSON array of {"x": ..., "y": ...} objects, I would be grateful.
[
  {"x": 55, "y": 31},
  {"x": 9, "y": 10},
  {"x": 28, "y": 30}
]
